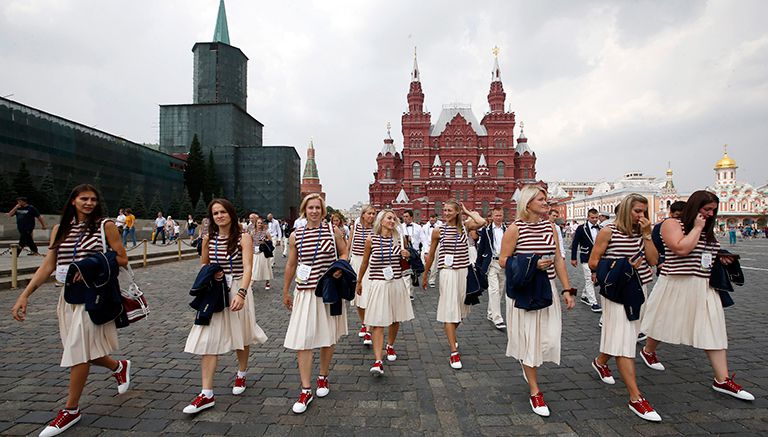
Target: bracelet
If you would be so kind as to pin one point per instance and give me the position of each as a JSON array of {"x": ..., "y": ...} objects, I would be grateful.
[
  {"x": 241, "y": 292},
  {"x": 571, "y": 291},
  {"x": 647, "y": 237}
]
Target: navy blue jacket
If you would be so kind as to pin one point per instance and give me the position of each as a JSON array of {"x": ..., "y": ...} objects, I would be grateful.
[
  {"x": 724, "y": 276},
  {"x": 477, "y": 282},
  {"x": 658, "y": 242},
  {"x": 333, "y": 290},
  {"x": 99, "y": 290},
  {"x": 526, "y": 284},
  {"x": 582, "y": 243},
  {"x": 620, "y": 283},
  {"x": 485, "y": 247},
  {"x": 211, "y": 296}
]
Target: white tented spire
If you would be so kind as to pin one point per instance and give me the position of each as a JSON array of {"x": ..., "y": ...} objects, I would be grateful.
[
  {"x": 402, "y": 197},
  {"x": 482, "y": 162},
  {"x": 415, "y": 71},
  {"x": 437, "y": 162},
  {"x": 496, "y": 73}
]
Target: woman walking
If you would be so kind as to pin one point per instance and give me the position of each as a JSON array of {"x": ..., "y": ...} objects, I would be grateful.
[
  {"x": 313, "y": 248},
  {"x": 452, "y": 262},
  {"x": 356, "y": 248},
  {"x": 77, "y": 237},
  {"x": 628, "y": 237},
  {"x": 262, "y": 268},
  {"x": 533, "y": 337},
  {"x": 388, "y": 299},
  {"x": 683, "y": 308},
  {"x": 233, "y": 328}
]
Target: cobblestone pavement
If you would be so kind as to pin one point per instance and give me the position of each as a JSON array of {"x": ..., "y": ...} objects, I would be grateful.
[{"x": 420, "y": 394}]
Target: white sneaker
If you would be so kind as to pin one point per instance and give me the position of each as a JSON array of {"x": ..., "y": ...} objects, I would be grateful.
[
  {"x": 367, "y": 340},
  {"x": 729, "y": 387},
  {"x": 538, "y": 405},
  {"x": 322, "y": 387},
  {"x": 603, "y": 372},
  {"x": 377, "y": 369},
  {"x": 644, "y": 410},
  {"x": 391, "y": 355},
  {"x": 63, "y": 421},
  {"x": 123, "y": 377},
  {"x": 650, "y": 360},
  {"x": 456, "y": 361},
  {"x": 305, "y": 398}
]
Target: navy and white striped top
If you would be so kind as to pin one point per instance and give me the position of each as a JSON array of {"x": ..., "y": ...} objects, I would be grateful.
[
  {"x": 79, "y": 244},
  {"x": 384, "y": 252},
  {"x": 315, "y": 248},
  {"x": 217, "y": 253},
  {"x": 536, "y": 238},
  {"x": 455, "y": 243},
  {"x": 689, "y": 264},
  {"x": 624, "y": 246},
  {"x": 359, "y": 235}
]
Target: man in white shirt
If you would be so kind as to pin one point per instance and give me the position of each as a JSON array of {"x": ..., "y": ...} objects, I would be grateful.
[
  {"x": 276, "y": 232},
  {"x": 299, "y": 222},
  {"x": 120, "y": 221},
  {"x": 410, "y": 231},
  {"x": 426, "y": 241},
  {"x": 489, "y": 247},
  {"x": 581, "y": 248},
  {"x": 554, "y": 215},
  {"x": 159, "y": 227}
]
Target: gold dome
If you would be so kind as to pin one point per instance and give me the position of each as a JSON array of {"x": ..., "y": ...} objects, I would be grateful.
[{"x": 725, "y": 162}]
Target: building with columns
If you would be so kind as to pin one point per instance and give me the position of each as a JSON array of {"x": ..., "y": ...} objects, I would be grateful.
[
  {"x": 741, "y": 204},
  {"x": 457, "y": 157},
  {"x": 310, "y": 182}
]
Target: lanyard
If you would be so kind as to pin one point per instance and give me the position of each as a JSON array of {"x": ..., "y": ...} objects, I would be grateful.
[
  {"x": 381, "y": 246},
  {"x": 77, "y": 243},
  {"x": 216, "y": 254},
  {"x": 319, "y": 237}
]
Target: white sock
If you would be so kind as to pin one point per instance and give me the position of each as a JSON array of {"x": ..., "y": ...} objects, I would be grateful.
[
  {"x": 242, "y": 374},
  {"x": 119, "y": 367},
  {"x": 207, "y": 393},
  {"x": 75, "y": 411},
  {"x": 322, "y": 377},
  {"x": 306, "y": 390},
  {"x": 454, "y": 353}
]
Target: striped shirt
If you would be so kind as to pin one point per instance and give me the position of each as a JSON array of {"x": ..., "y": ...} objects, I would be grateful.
[
  {"x": 79, "y": 244},
  {"x": 536, "y": 238},
  {"x": 384, "y": 252},
  {"x": 451, "y": 242},
  {"x": 217, "y": 253},
  {"x": 624, "y": 246},
  {"x": 690, "y": 264},
  {"x": 259, "y": 237},
  {"x": 359, "y": 235},
  {"x": 316, "y": 249}
]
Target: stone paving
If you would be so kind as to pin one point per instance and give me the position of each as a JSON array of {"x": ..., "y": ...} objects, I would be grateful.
[{"x": 419, "y": 395}]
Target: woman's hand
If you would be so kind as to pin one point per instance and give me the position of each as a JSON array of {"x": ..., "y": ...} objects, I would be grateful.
[
  {"x": 237, "y": 304},
  {"x": 645, "y": 226},
  {"x": 19, "y": 310},
  {"x": 405, "y": 254},
  {"x": 639, "y": 261},
  {"x": 569, "y": 300},
  {"x": 543, "y": 264},
  {"x": 218, "y": 275},
  {"x": 288, "y": 301},
  {"x": 337, "y": 274},
  {"x": 700, "y": 221},
  {"x": 359, "y": 288},
  {"x": 424, "y": 277}
]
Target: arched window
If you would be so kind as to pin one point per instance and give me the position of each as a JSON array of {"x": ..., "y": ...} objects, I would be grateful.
[
  {"x": 459, "y": 170},
  {"x": 416, "y": 170},
  {"x": 470, "y": 174},
  {"x": 500, "y": 169},
  {"x": 447, "y": 169}
]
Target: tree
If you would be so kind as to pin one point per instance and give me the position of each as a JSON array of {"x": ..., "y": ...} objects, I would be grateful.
[
  {"x": 23, "y": 185},
  {"x": 7, "y": 195},
  {"x": 185, "y": 206},
  {"x": 239, "y": 207},
  {"x": 194, "y": 172},
  {"x": 138, "y": 206},
  {"x": 49, "y": 193},
  {"x": 173, "y": 207},
  {"x": 200, "y": 210},
  {"x": 126, "y": 200},
  {"x": 211, "y": 186},
  {"x": 66, "y": 190},
  {"x": 156, "y": 206}
]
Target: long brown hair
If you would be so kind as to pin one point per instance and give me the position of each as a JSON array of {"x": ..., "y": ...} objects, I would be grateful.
[
  {"x": 233, "y": 239},
  {"x": 695, "y": 202},
  {"x": 624, "y": 216},
  {"x": 69, "y": 213}
]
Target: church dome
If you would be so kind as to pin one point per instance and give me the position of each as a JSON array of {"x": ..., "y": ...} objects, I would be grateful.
[{"x": 725, "y": 162}]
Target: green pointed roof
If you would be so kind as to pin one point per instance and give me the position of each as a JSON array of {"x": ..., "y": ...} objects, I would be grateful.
[
  {"x": 221, "y": 34},
  {"x": 310, "y": 169}
]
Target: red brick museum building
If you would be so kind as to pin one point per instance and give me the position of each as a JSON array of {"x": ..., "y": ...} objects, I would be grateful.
[{"x": 457, "y": 158}]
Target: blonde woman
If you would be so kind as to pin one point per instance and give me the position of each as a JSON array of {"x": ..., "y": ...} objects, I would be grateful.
[
  {"x": 388, "y": 299},
  {"x": 262, "y": 267},
  {"x": 533, "y": 337},
  {"x": 628, "y": 237},
  {"x": 356, "y": 248},
  {"x": 452, "y": 262},
  {"x": 313, "y": 248}
]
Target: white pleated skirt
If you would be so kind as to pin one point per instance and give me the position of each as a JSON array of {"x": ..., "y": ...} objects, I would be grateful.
[
  {"x": 388, "y": 302},
  {"x": 360, "y": 301},
  {"x": 684, "y": 309},
  {"x": 262, "y": 267},
  {"x": 618, "y": 336},
  {"x": 82, "y": 340},
  {"x": 533, "y": 337},
  {"x": 453, "y": 291},
  {"x": 311, "y": 325},
  {"x": 228, "y": 330}
]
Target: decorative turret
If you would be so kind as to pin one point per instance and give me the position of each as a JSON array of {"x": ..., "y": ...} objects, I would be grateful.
[
  {"x": 482, "y": 167},
  {"x": 389, "y": 143},
  {"x": 415, "y": 94},
  {"x": 496, "y": 96},
  {"x": 725, "y": 169},
  {"x": 310, "y": 182},
  {"x": 525, "y": 158},
  {"x": 221, "y": 34},
  {"x": 669, "y": 185},
  {"x": 437, "y": 168}
]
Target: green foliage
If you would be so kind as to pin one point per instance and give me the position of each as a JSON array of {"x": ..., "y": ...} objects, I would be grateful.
[
  {"x": 156, "y": 206},
  {"x": 126, "y": 199},
  {"x": 7, "y": 195},
  {"x": 49, "y": 193},
  {"x": 201, "y": 210},
  {"x": 138, "y": 206},
  {"x": 23, "y": 186},
  {"x": 185, "y": 206},
  {"x": 239, "y": 206},
  {"x": 211, "y": 185},
  {"x": 66, "y": 190},
  {"x": 194, "y": 173}
]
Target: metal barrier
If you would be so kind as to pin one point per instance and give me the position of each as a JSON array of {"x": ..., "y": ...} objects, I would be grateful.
[
  {"x": 14, "y": 266},
  {"x": 144, "y": 243}
]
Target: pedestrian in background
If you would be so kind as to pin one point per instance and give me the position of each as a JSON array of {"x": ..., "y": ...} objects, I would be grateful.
[
  {"x": 25, "y": 223},
  {"x": 130, "y": 227},
  {"x": 159, "y": 227},
  {"x": 362, "y": 229},
  {"x": 581, "y": 248},
  {"x": 120, "y": 222},
  {"x": 262, "y": 266}
]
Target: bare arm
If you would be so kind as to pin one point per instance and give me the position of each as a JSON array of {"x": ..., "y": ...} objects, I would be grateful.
[
  {"x": 601, "y": 245},
  {"x": 19, "y": 310},
  {"x": 42, "y": 223},
  {"x": 205, "y": 258},
  {"x": 246, "y": 244},
  {"x": 341, "y": 245},
  {"x": 508, "y": 244},
  {"x": 116, "y": 242},
  {"x": 12, "y": 212},
  {"x": 349, "y": 243},
  {"x": 679, "y": 243},
  {"x": 290, "y": 271},
  {"x": 364, "y": 265},
  {"x": 431, "y": 255},
  {"x": 562, "y": 272},
  {"x": 475, "y": 221}
]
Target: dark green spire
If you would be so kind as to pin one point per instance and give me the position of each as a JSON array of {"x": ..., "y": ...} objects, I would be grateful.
[{"x": 221, "y": 34}]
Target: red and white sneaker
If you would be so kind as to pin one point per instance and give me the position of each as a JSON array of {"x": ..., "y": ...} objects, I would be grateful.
[
  {"x": 391, "y": 355},
  {"x": 123, "y": 377},
  {"x": 456, "y": 361},
  {"x": 644, "y": 410},
  {"x": 603, "y": 372},
  {"x": 377, "y": 369},
  {"x": 199, "y": 404},
  {"x": 367, "y": 339},
  {"x": 362, "y": 332},
  {"x": 305, "y": 398},
  {"x": 650, "y": 360},
  {"x": 322, "y": 387},
  {"x": 538, "y": 405},
  {"x": 267, "y": 287},
  {"x": 239, "y": 386},
  {"x": 730, "y": 387},
  {"x": 63, "y": 421}
]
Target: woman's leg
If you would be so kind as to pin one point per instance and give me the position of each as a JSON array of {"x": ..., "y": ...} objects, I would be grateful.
[
  {"x": 106, "y": 361},
  {"x": 78, "y": 375},
  {"x": 304, "y": 358},
  {"x": 377, "y": 332},
  {"x": 242, "y": 358},
  {"x": 530, "y": 375},
  {"x": 602, "y": 359},
  {"x": 361, "y": 314},
  {"x": 719, "y": 361},
  {"x": 651, "y": 344},
  {"x": 627, "y": 370},
  {"x": 450, "y": 333},
  {"x": 208, "y": 369},
  {"x": 392, "y": 335},
  {"x": 326, "y": 354}
]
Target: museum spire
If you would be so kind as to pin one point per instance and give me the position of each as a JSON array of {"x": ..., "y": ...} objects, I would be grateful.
[{"x": 221, "y": 34}]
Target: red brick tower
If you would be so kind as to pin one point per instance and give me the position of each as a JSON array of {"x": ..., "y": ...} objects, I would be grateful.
[{"x": 310, "y": 182}]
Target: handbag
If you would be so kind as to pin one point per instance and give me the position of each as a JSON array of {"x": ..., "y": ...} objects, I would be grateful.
[
  {"x": 135, "y": 304},
  {"x": 405, "y": 265}
]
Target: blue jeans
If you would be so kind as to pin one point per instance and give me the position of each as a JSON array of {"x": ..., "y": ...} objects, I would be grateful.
[
  {"x": 131, "y": 232},
  {"x": 159, "y": 231},
  {"x": 732, "y": 237}
]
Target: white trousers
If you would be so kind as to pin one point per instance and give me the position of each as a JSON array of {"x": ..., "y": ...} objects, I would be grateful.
[
  {"x": 589, "y": 287},
  {"x": 285, "y": 246},
  {"x": 433, "y": 270},
  {"x": 497, "y": 281}
]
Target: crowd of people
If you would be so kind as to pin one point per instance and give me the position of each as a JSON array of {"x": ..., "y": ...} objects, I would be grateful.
[{"x": 371, "y": 263}]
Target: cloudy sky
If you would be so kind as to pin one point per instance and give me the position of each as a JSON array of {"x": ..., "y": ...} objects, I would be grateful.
[{"x": 604, "y": 87}]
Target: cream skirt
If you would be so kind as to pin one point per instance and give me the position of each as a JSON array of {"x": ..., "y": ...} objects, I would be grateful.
[
  {"x": 312, "y": 326},
  {"x": 453, "y": 290},
  {"x": 618, "y": 336},
  {"x": 388, "y": 302},
  {"x": 684, "y": 309},
  {"x": 228, "y": 330},
  {"x": 533, "y": 337},
  {"x": 262, "y": 267},
  {"x": 360, "y": 301},
  {"x": 82, "y": 340}
]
